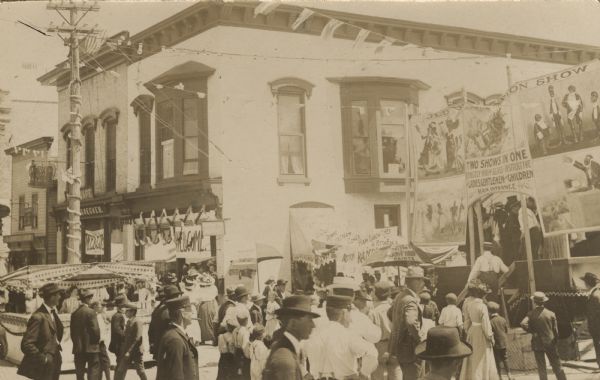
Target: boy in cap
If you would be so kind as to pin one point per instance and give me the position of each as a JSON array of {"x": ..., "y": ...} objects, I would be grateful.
[
  {"x": 177, "y": 355},
  {"x": 542, "y": 325},
  {"x": 85, "y": 335},
  {"x": 132, "y": 350},
  {"x": 500, "y": 329},
  {"x": 41, "y": 341},
  {"x": 443, "y": 350},
  {"x": 430, "y": 308}
]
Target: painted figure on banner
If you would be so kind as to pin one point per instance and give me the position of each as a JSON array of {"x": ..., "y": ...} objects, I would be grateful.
[{"x": 487, "y": 131}]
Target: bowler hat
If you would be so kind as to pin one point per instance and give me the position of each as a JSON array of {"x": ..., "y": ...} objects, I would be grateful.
[
  {"x": 85, "y": 294},
  {"x": 589, "y": 278},
  {"x": 240, "y": 292},
  {"x": 297, "y": 305},
  {"x": 539, "y": 297},
  {"x": 339, "y": 302},
  {"x": 49, "y": 289},
  {"x": 443, "y": 343},
  {"x": 178, "y": 303},
  {"x": 415, "y": 272},
  {"x": 171, "y": 291}
]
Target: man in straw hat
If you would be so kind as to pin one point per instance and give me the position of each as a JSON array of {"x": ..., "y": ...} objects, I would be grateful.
[
  {"x": 159, "y": 321},
  {"x": 334, "y": 349},
  {"x": 132, "y": 350},
  {"x": 41, "y": 341},
  {"x": 542, "y": 325},
  {"x": 406, "y": 317},
  {"x": 444, "y": 351},
  {"x": 592, "y": 311},
  {"x": 177, "y": 355},
  {"x": 85, "y": 335},
  {"x": 296, "y": 324}
]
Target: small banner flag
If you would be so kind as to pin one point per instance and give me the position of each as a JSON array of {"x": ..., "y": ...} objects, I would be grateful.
[
  {"x": 304, "y": 15},
  {"x": 361, "y": 37},
  {"x": 265, "y": 7},
  {"x": 387, "y": 41},
  {"x": 330, "y": 28}
]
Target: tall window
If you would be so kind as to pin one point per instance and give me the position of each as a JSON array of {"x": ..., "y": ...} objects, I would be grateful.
[
  {"x": 34, "y": 210},
  {"x": 190, "y": 136},
  {"x": 142, "y": 108},
  {"x": 89, "y": 160},
  {"x": 21, "y": 212},
  {"x": 164, "y": 137},
  {"x": 111, "y": 155}
]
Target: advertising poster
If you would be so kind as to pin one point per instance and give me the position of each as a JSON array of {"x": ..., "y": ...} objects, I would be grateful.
[
  {"x": 94, "y": 242},
  {"x": 440, "y": 215},
  {"x": 559, "y": 114},
  {"x": 497, "y": 158},
  {"x": 438, "y": 143}
]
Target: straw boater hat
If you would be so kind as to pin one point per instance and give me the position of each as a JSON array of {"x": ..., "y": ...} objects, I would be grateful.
[
  {"x": 415, "y": 272},
  {"x": 443, "y": 343},
  {"x": 296, "y": 305},
  {"x": 539, "y": 298},
  {"x": 130, "y": 306},
  {"x": 343, "y": 286}
]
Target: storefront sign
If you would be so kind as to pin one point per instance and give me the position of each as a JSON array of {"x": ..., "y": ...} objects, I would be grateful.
[
  {"x": 94, "y": 242},
  {"x": 216, "y": 228},
  {"x": 92, "y": 211}
]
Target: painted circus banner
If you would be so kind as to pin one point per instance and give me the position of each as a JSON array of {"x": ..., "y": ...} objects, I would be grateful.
[
  {"x": 440, "y": 202},
  {"x": 559, "y": 114}
]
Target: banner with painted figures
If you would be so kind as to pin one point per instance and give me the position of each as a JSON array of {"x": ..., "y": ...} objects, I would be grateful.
[
  {"x": 94, "y": 242},
  {"x": 497, "y": 155},
  {"x": 559, "y": 114}
]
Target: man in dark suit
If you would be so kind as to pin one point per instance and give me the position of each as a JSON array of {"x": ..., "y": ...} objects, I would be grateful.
[
  {"x": 177, "y": 355},
  {"x": 159, "y": 321},
  {"x": 574, "y": 105},
  {"x": 132, "y": 349},
  {"x": 406, "y": 317},
  {"x": 280, "y": 291},
  {"x": 85, "y": 334},
  {"x": 117, "y": 326},
  {"x": 592, "y": 311},
  {"x": 228, "y": 301},
  {"x": 590, "y": 167},
  {"x": 296, "y": 324},
  {"x": 41, "y": 342},
  {"x": 541, "y": 323},
  {"x": 256, "y": 311}
]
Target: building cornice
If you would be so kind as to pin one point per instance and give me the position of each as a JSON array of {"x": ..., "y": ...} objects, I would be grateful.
[
  {"x": 40, "y": 143},
  {"x": 206, "y": 15}
]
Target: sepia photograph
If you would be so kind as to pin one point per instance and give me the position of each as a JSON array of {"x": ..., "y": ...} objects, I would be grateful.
[{"x": 286, "y": 190}]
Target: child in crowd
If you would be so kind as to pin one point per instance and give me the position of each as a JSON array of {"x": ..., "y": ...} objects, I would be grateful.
[
  {"x": 272, "y": 324},
  {"x": 451, "y": 316},
  {"x": 500, "y": 329},
  {"x": 227, "y": 350},
  {"x": 258, "y": 352}
]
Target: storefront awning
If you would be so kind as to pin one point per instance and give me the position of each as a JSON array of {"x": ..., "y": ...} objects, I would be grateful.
[{"x": 4, "y": 208}]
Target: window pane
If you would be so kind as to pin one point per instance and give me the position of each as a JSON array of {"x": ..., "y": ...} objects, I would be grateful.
[
  {"x": 190, "y": 117},
  {"x": 360, "y": 123},
  {"x": 361, "y": 155},
  {"x": 190, "y": 167},
  {"x": 164, "y": 120},
  {"x": 191, "y": 148},
  {"x": 291, "y": 155},
  {"x": 168, "y": 159},
  {"x": 392, "y": 131},
  {"x": 386, "y": 216},
  {"x": 289, "y": 111}
]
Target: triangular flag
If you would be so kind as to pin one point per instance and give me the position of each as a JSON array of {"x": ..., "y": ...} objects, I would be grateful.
[
  {"x": 330, "y": 28},
  {"x": 387, "y": 41},
  {"x": 306, "y": 13},
  {"x": 265, "y": 7},
  {"x": 361, "y": 37}
]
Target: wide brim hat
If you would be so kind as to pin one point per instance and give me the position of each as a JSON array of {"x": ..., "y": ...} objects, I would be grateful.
[
  {"x": 443, "y": 343},
  {"x": 269, "y": 281},
  {"x": 49, "y": 289},
  {"x": 589, "y": 277},
  {"x": 415, "y": 272},
  {"x": 281, "y": 282},
  {"x": 240, "y": 292},
  {"x": 479, "y": 285},
  {"x": 539, "y": 297},
  {"x": 297, "y": 305}
]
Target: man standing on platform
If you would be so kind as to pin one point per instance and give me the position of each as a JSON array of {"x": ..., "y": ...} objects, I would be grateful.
[
  {"x": 41, "y": 342},
  {"x": 85, "y": 334},
  {"x": 407, "y": 317},
  {"x": 541, "y": 323},
  {"x": 592, "y": 312}
]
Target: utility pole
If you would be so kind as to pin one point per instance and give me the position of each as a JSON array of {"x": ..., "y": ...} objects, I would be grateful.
[{"x": 74, "y": 33}]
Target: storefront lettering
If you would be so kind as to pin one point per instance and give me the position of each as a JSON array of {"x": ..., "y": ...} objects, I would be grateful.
[
  {"x": 191, "y": 239},
  {"x": 89, "y": 211}
]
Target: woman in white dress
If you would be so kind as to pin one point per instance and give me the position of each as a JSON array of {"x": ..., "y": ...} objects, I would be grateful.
[
  {"x": 272, "y": 323},
  {"x": 481, "y": 365},
  {"x": 207, "y": 306},
  {"x": 193, "y": 329}
]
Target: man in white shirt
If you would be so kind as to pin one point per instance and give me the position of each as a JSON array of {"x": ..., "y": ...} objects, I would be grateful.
[
  {"x": 334, "y": 349},
  {"x": 451, "y": 315},
  {"x": 555, "y": 114},
  {"x": 574, "y": 105},
  {"x": 104, "y": 337},
  {"x": 360, "y": 322},
  {"x": 379, "y": 317},
  {"x": 489, "y": 267}
]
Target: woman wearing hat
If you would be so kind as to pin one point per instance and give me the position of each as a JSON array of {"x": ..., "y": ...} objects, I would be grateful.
[
  {"x": 481, "y": 365},
  {"x": 193, "y": 329},
  {"x": 207, "y": 305}
]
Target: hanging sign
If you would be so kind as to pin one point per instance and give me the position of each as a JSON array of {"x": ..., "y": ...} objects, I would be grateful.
[
  {"x": 94, "y": 242},
  {"x": 216, "y": 228}
]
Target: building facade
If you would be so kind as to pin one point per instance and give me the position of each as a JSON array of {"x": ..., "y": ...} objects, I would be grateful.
[
  {"x": 272, "y": 128},
  {"x": 32, "y": 239}
]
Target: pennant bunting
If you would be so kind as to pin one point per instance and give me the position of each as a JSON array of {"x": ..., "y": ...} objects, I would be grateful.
[
  {"x": 330, "y": 28},
  {"x": 361, "y": 37},
  {"x": 265, "y": 7},
  {"x": 304, "y": 15},
  {"x": 387, "y": 41}
]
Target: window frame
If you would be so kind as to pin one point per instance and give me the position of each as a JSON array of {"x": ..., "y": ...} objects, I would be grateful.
[
  {"x": 397, "y": 211},
  {"x": 34, "y": 210},
  {"x": 110, "y": 123},
  {"x": 142, "y": 109},
  {"x": 89, "y": 170},
  {"x": 22, "y": 206}
]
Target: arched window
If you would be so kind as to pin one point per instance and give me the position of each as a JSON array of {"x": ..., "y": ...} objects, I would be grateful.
[
  {"x": 89, "y": 145},
  {"x": 110, "y": 119},
  {"x": 291, "y": 95}
]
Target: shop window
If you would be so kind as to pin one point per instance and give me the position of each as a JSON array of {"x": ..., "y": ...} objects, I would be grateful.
[
  {"x": 110, "y": 119},
  {"x": 291, "y": 95},
  {"x": 34, "y": 210},
  {"x": 181, "y": 121},
  {"x": 387, "y": 216},
  {"x": 375, "y": 114},
  {"x": 21, "y": 212},
  {"x": 142, "y": 108}
]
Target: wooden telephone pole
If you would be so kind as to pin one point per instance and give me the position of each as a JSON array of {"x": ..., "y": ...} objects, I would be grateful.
[{"x": 74, "y": 33}]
